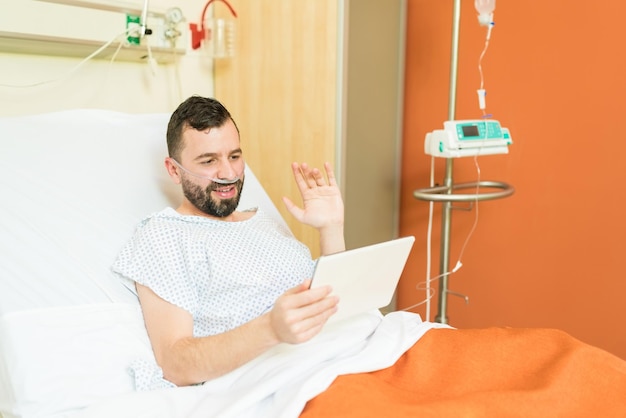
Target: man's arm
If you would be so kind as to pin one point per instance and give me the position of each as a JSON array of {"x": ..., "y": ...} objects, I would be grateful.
[
  {"x": 297, "y": 316},
  {"x": 322, "y": 205}
]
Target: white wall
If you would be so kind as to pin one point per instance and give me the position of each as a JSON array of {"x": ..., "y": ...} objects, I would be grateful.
[{"x": 99, "y": 83}]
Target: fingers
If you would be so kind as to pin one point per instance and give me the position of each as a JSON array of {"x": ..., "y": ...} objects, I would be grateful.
[
  {"x": 330, "y": 174},
  {"x": 299, "y": 176},
  {"x": 300, "y": 313},
  {"x": 306, "y": 329},
  {"x": 301, "y": 297},
  {"x": 311, "y": 323},
  {"x": 308, "y": 177},
  {"x": 299, "y": 288}
]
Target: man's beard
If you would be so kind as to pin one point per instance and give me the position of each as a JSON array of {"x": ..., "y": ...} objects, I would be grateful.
[{"x": 202, "y": 200}]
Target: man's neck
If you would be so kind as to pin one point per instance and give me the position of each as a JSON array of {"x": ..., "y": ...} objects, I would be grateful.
[{"x": 187, "y": 208}]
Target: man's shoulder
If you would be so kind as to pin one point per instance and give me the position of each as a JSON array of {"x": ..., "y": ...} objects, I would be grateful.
[{"x": 163, "y": 214}]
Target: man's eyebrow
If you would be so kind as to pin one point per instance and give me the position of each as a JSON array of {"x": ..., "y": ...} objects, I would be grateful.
[
  {"x": 215, "y": 154},
  {"x": 206, "y": 155}
]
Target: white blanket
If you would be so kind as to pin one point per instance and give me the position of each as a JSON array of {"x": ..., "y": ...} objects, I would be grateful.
[{"x": 280, "y": 382}]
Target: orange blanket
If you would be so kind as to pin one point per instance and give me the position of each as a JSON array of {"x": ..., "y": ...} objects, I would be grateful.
[{"x": 493, "y": 372}]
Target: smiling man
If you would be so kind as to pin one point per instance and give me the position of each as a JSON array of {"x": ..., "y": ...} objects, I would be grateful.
[
  {"x": 212, "y": 154},
  {"x": 218, "y": 286}
]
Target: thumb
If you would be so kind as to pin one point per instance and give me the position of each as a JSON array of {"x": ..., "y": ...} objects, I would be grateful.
[{"x": 295, "y": 211}]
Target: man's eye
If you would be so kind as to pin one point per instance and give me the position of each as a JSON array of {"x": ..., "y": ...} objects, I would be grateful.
[
  {"x": 235, "y": 157},
  {"x": 207, "y": 162}
]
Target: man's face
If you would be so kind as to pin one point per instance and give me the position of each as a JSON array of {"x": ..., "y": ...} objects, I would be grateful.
[{"x": 212, "y": 154}]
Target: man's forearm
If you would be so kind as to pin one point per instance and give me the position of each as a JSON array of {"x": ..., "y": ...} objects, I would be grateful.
[{"x": 194, "y": 360}]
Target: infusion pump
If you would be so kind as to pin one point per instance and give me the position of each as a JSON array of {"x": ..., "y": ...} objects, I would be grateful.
[{"x": 467, "y": 138}]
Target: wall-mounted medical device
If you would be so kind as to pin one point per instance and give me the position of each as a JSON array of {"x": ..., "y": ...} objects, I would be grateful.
[
  {"x": 467, "y": 138},
  {"x": 101, "y": 29},
  {"x": 216, "y": 35}
]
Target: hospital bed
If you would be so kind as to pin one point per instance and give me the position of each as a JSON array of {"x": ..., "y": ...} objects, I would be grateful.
[{"x": 74, "y": 185}]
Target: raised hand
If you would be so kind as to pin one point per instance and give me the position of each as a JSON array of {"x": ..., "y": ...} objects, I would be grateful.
[{"x": 321, "y": 197}]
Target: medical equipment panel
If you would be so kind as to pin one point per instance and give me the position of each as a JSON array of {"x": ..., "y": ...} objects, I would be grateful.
[{"x": 464, "y": 138}]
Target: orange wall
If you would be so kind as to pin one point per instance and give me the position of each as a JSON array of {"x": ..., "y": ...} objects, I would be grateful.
[{"x": 551, "y": 254}]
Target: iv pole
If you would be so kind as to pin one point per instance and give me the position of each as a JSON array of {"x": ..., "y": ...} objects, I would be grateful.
[
  {"x": 444, "y": 193},
  {"x": 446, "y": 219}
]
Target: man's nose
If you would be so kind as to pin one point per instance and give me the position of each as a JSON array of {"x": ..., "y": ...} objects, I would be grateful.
[{"x": 227, "y": 170}]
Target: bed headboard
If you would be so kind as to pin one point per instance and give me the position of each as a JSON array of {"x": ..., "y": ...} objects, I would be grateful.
[{"x": 75, "y": 184}]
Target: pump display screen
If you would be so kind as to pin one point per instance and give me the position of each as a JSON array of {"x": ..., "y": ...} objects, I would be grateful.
[{"x": 470, "y": 130}]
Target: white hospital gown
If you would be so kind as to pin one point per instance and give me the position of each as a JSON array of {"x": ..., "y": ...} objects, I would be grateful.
[{"x": 223, "y": 273}]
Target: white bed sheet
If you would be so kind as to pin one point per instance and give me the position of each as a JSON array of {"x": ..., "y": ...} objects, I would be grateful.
[
  {"x": 279, "y": 383},
  {"x": 62, "y": 359}
]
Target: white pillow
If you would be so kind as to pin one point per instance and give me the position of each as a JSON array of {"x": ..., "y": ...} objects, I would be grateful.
[
  {"x": 79, "y": 183},
  {"x": 59, "y": 360}
]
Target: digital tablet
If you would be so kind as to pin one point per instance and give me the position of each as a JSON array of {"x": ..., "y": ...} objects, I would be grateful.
[{"x": 364, "y": 278}]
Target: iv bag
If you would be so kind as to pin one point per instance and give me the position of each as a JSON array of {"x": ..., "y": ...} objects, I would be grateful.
[
  {"x": 485, "y": 6},
  {"x": 485, "y": 10}
]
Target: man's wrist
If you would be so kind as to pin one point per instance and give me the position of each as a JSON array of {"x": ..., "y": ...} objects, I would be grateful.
[
  {"x": 332, "y": 239},
  {"x": 270, "y": 337}
]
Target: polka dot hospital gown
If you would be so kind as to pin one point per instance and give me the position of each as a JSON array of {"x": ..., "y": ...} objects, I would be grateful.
[{"x": 223, "y": 273}]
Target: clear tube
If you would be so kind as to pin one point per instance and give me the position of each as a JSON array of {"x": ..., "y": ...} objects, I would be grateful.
[{"x": 214, "y": 180}]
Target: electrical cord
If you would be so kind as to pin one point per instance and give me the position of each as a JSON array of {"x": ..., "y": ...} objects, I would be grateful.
[
  {"x": 426, "y": 285},
  {"x": 77, "y": 66}
]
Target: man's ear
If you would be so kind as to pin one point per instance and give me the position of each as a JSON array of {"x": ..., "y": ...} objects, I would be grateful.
[{"x": 172, "y": 170}]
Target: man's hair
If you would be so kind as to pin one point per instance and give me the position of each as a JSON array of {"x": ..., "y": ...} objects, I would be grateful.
[{"x": 200, "y": 113}]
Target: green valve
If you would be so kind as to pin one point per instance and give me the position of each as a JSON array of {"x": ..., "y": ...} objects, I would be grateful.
[{"x": 133, "y": 29}]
